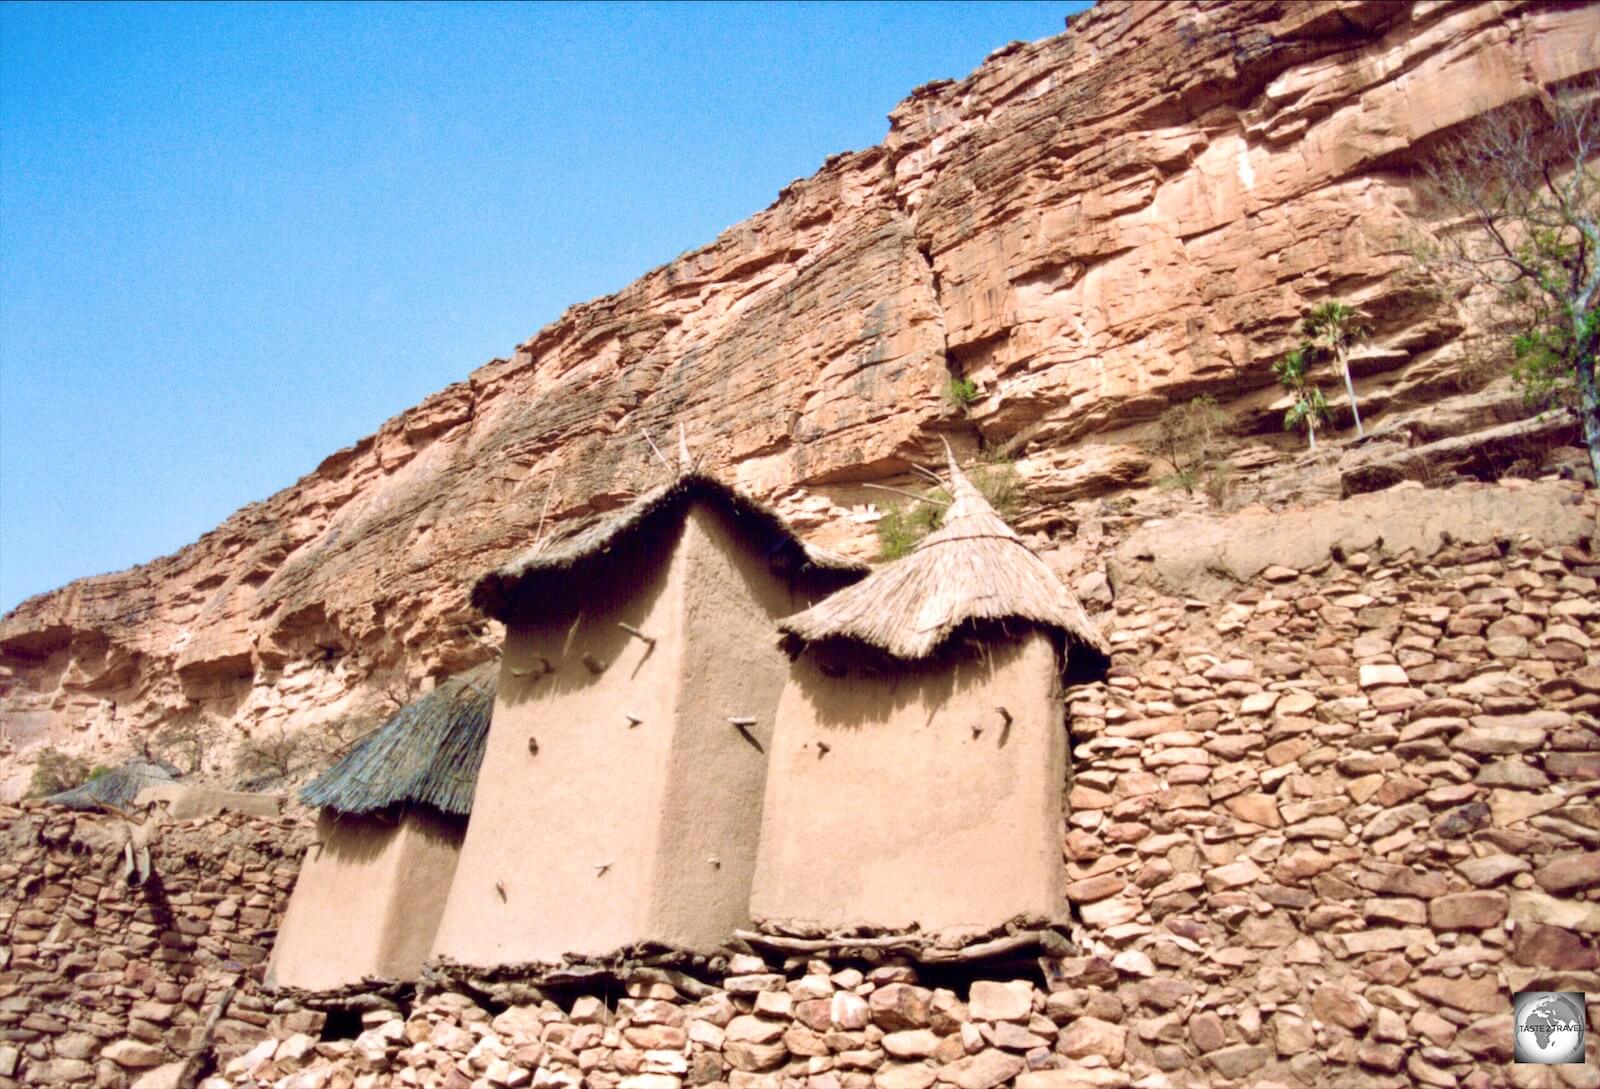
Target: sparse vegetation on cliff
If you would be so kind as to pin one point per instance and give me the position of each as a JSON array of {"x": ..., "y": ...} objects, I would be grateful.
[
  {"x": 903, "y": 526},
  {"x": 1518, "y": 195},
  {"x": 960, "y": 392},
  {"x": 1186, "y": 439},
  {"x": 1309, "y": 405},
  {"x": 1331, "y": 330},
  {"x": 55, "y": 771}
]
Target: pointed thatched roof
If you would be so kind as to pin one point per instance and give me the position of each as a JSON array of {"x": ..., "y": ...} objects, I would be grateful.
[
  {"x": 578, "y": 550},
  {"x": 118, "y": 787},
  {"x": 427, "y": 754},
  {"x": 973, "y": 569}
]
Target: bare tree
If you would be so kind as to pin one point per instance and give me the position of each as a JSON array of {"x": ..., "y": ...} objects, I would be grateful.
[
  {"x": 1186, "y": 438},
  {"x": 1518, "y": 194}
]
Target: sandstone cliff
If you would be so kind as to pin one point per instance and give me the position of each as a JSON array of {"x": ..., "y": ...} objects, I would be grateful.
[{"x": 1087, "y": 227}]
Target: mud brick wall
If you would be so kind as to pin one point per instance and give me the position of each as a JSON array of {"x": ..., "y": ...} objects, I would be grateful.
[{"x": 111, "y": 986}]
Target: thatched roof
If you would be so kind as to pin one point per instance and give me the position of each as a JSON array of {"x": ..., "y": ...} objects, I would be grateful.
[
  {"x": 427, "y": 754},
  {"x": 973, "y": 569},
  {"x": 579, "y": 549},
  {"x": 118, "y": 787}
]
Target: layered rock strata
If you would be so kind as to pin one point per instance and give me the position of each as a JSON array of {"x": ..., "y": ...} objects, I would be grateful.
[{"x": 1088, "y": 228}]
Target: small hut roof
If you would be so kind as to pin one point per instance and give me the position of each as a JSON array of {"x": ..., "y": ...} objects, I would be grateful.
[
  {"x": 974, "y": 568},
  {"x": 569, "y": 553},
  {"x": 118, "y": 787},
  {"x": 428, "y": 753}
]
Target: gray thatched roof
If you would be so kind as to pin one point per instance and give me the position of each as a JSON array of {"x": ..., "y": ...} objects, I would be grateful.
[
  {"x": 119, "y": 787},
  {"x": 569, "y": 554},
  {"x": 427, "y": 754},
  {"x": 973, "y": 569}
]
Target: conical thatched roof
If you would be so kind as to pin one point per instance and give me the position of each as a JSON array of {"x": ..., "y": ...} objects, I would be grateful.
[
  {"x": 119, "y": 787},
  {"x": 578, "y": 551},
  {"x": 427, "y": 754},
  {"x": 974, "y": 568}
]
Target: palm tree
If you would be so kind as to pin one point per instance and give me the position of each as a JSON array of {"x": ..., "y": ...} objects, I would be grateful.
[
  {"x": 1309, "y": 405},
  {"x": 1332, "y": 330}
]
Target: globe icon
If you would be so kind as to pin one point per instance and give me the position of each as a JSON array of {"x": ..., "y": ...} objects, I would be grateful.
[{"x": 1549, "y": 1027}]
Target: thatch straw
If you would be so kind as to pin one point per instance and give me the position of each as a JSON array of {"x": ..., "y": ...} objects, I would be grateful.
[
  {"x": 119, "y": 787},
  {"x": 973, "y": 569},
  {"x": 427, "y": 754},
  {"x": 576, "y": 553}
]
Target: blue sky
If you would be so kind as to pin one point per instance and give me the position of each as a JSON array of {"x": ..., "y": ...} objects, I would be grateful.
[{"x": 234, "y": 238}]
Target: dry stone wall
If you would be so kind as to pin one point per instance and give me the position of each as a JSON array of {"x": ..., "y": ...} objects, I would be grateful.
[{"x": 111, "y": 986}]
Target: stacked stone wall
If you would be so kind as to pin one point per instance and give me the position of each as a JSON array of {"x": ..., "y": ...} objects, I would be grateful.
[{"x": 109, "y": 985}]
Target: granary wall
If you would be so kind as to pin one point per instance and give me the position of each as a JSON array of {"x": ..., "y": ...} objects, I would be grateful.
[
  {"x": 710, "y": 819},
  {"x": 557, "y": 854},
  {"x": 904, "y": 796},
  {"x": 368, "y": 899},
  {"x": 1292, "y": 867}
]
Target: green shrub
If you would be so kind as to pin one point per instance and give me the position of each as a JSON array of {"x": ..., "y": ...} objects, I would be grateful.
[
  {"x": 902, "y": 527},
  {"x": 55, "y": 771},
  {"x": 960, "y": 392},
  {"x": 1187, "y": 437}
]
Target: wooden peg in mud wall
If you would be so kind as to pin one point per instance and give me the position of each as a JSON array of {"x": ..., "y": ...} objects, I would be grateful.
[
  {"x": 636, "y": 633},
  {"x": 533, "y": 746},
  {"x": 539, "y": 668},
  {"x": 633, "y": 720},
  {"x": 592, "y": 664}
]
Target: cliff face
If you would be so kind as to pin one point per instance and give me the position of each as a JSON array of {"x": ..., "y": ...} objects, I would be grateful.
[{"x": 1087, "y": 227}]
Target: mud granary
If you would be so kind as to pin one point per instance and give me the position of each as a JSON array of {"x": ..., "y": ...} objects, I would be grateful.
[
  {"x": 920, "y": 751},
  {"x": 620, "y": 795},
  {"x": 393, "y": 813}
]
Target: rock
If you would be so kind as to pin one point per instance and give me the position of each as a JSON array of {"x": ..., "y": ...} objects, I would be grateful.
[
  {"x": 1510, "y": 807},
  {"x": 1206, "y": 1033},
  {"x": 904, "y": 1076},
  {"x": 58, "y": 1072},
  {"x": 911, "y": 1043},
  {"x": 1483, "y": 995},
  {"x": 754, "y": 1058},
  {"x": 1529, "y": 907},
  {"x": 1554, "y": 947},
  {"x": 1092, "y": 1036},
  {"x": 1499, "y": 740},
  {"x": 1233, "y": 875},
  {"x": 165, "y": 1076},
  {"x": 1239, "y": 1061},
  {"x": 1492, "y": 869},
  {"x": 1340, "y": 1006},
  {"x": 131, "y": 1054},
  {"x": 985, "y": 1070},
  {"x": 1376, "y": 676},
  {"x": 1095, "y": 888},
  {"x": 995, "y": 1001},
  {"x": 1468, "y": 911},
  {"x": 848, "y": 1011},
  {"x": 901, "y": 1006},
  {"x": 754, "y": 1030},
  {"x": 1567, "y": 873}
]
